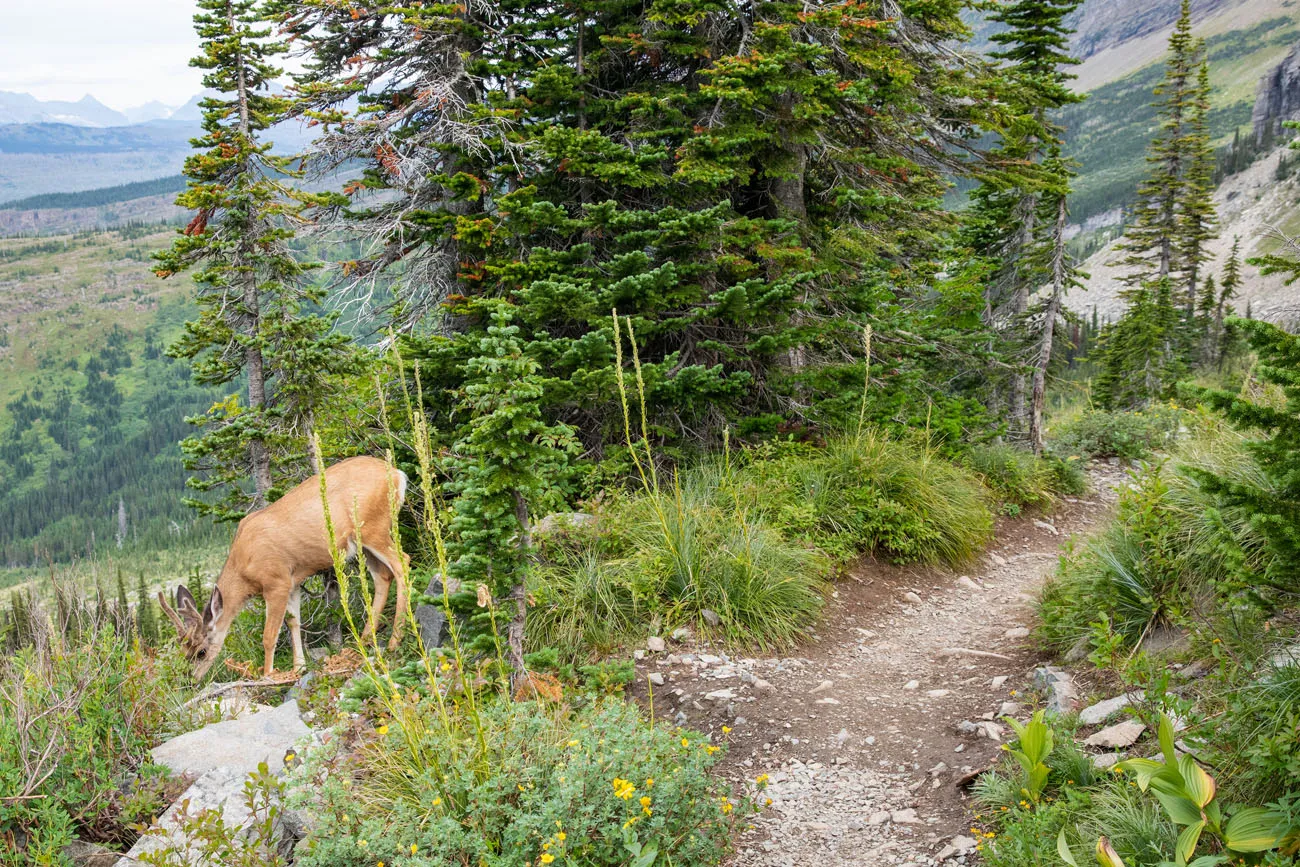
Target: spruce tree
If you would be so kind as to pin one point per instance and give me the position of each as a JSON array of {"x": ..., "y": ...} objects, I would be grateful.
[
  {"x": 146, "y": 617},
  {"x": 1137, "y": 356},
  {"x": 1195, "y": 204},
  {"x": 1151, "y": 244},
  {"x": 256, "y": 323},
  {"x": 1015, "y": 221},
  {"x": 749, "y": 184},
  {"x": 1274, "y": 507}
]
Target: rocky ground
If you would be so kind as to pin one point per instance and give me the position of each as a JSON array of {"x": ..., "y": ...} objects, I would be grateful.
[{"x": 866, "y": 734}]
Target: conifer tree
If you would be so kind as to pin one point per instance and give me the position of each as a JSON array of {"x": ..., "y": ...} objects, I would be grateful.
[
  {"x": 1153, "y": 244},
  {"x": 146, "y": 617},
  {"x": 1164, "y": 245},
  {"x": 256, "y": 323},
  {"x": 1015, "y": 218},
  {"x": 1195, "y": 204},
  {"x": 1274, "y": 508},
  {"x": 1138, "y": 355},
  {"x": 749, "y": 183}
]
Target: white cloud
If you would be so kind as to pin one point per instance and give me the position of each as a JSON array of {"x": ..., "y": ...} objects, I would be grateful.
[{"x": 124, "y": 52}]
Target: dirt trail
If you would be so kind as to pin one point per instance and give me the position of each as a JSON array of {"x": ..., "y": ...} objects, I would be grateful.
[{"x": 858, "y": 735}]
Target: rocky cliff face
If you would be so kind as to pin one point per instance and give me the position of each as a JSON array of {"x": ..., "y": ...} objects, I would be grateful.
[
  {"x": 1102, "y": 24},
  {"x": 1277, "y": 97}
]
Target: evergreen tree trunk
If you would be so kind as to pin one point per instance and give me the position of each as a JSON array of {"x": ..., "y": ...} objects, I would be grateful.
[
  {"x": 1059, "y": 277},
  {"x": 1019, "y": 306}
]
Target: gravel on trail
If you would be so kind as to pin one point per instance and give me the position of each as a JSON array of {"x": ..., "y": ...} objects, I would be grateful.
[{"x": 897, "y": 696}]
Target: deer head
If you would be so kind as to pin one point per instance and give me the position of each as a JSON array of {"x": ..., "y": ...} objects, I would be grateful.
[{"x": 196, "y": 632}]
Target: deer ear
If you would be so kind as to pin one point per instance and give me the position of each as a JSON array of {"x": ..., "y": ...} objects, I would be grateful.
[
  {"x": 213, "y": 609},
  {"x": 185, "y": 603}
]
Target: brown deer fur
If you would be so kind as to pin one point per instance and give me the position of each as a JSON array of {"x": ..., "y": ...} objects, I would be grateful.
[{"x": 277, "y": 548}]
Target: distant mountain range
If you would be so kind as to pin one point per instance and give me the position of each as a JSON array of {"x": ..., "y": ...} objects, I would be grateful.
[{"x": 49, "y": 146}]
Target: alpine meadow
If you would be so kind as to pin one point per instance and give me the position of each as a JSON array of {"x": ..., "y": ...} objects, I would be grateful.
[{"x": 670, "y": 433}]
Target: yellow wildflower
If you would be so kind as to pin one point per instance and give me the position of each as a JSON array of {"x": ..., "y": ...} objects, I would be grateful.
[
  {"x": 711, "y": 749},
  {"x": 685, "y": 742},
  {"x": 361, "y": 843},
  {"x": 726, "y": 730},
  {"x": 623, "y": 788},
  {"x": 382, "y": 730},
  {"x": 649, "y": 782},
  {"x": 547, "y": 858},
  {"x": 761, "y": 779},
  {"x": 414, "y": 848},
  {"x": 572, "y": 743},
  {"x": 561, "y": 836},
  {"x": 437, "y": 801}
]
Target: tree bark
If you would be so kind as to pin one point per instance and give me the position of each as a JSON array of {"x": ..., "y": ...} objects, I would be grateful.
[
  {"x": 1039, "y": 398},
  {"x": 1019, "y": 306},
  {"x": 519, "y": 595}
]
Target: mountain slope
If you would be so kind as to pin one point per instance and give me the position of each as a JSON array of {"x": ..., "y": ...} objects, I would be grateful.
[{"x": 1253, "y": 205}]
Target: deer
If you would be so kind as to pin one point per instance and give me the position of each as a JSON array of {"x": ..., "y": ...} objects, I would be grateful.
[{"x": 277, "y": 548}]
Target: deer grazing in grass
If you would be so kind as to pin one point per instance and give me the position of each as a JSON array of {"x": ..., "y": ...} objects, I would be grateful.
[{"x": 277, "y": 548}]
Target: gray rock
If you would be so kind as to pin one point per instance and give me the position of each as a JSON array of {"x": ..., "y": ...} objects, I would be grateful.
[
  {"x": 656, "y": 678},
  {"x": 912, "y": 684},
  {"x": 905, "y": 817},
  {"x": 912, "y": 597},
  {"x": 710, "y": 617},
  {"x": 1017, "y": 632},
  {"x": 1118, "y": 736},
  {"x": 966, "y": 582},
  {"x": 681, "y": 633},
  {"x": 84, "y": 854},
  {"x": 998, "y": 681},
  {"x": 431, "y": 617},
  {"x": 237, "y": 745},
  {"x": 1106, "y": 761},
  {"x": 721, "y": 695},
  {"x": 221, "y": 788},
  {"x": 655, "y": 644},
  {"x": 560, "y": 523},
  {"x": 1078, "y": 651},
  {"x": 763, "y": 686},
  {"x": 1165, "y": 639},
  {"x": 1103, "y": 710},
  {"x": 821, "y": 687},
  {"x": 879, "y": 817},
  {"x": 1044, "y": 525},
  {"x": 1059, "y": 687},
  {"x": 958, "y": 845},
  {"x": 1009, "y": 708}
]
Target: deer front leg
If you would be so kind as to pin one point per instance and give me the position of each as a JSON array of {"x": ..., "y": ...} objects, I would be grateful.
[
  {"x": 275, "y": 608},
  {"x": 293, "y": 616}
]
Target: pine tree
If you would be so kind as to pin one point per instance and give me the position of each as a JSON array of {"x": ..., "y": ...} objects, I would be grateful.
[
  {"x": 1151, "y": 243},
  {"x": 146, "y": 617},
  {"x": 1274, "y": 507},
  {"x": 1138, "y": 357},
  {"x": 1015, "y": 218},
  {"x": 745, "y": 184},
  {"x": 1195, "y": 203},
  {"x": 255, "y": 322},
  {"x": 505, "y": 462}
]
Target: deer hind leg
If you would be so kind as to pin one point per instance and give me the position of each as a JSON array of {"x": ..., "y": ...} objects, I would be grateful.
[
  {"x": 293, "y": 616},
  {"x": 276, "y": 604},
  {"x": 386, "y": 562}
]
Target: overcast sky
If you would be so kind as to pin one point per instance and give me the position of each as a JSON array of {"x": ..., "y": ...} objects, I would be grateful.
[{"x": 123, "y": 52}]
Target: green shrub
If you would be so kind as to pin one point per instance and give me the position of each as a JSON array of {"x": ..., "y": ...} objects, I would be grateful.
[
  {"x": 1022, "y": 478},
  {"x": 871, "y": 492},
  {"x": 510, "y": 783},
  {"x": 1130, "y": 435},
  {"x": 76, "y": 725},
  {"x": 673, "y": 553}
]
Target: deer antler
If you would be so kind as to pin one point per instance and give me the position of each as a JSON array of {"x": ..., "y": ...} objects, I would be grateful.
[{"x": 171, "y": 613}]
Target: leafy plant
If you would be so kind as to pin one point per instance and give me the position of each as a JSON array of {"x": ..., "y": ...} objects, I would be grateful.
[
  {"x": 1188, "y": 796},
  {"x": 1127, "y": 435},
  {"x": 1034, "y": 742}
]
